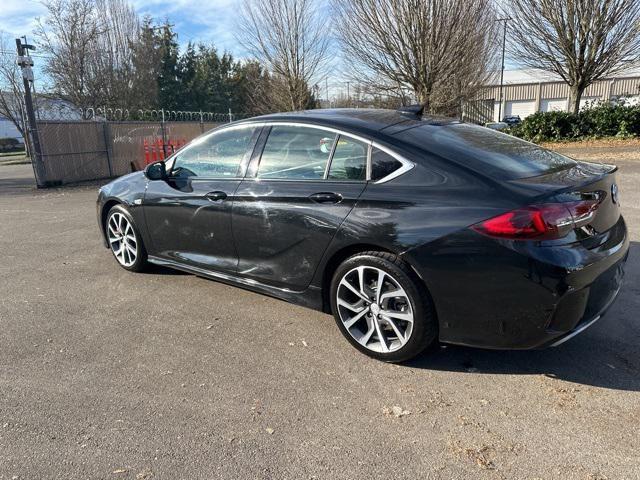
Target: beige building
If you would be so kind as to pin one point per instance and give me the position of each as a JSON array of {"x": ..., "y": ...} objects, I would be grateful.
[{"x": 529, "y": 91}]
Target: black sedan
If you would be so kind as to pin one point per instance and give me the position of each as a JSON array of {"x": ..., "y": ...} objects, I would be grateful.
[{"x": 409, "y": 229}]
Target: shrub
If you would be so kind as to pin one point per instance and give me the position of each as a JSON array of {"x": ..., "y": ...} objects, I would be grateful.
[{"x": 603, "y": 120}]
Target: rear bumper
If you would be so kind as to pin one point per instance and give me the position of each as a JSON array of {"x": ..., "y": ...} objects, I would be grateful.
[
  {"x": 611, "y": 291},
  {"x": 519, "y": 296}
]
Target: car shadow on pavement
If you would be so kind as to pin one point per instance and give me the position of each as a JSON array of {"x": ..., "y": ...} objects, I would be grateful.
[
  {"x": 160, "y": 270},
  {"x": 605, "y": 355}
]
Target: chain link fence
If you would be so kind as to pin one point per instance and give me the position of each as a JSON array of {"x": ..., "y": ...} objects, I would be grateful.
[
  {"x": 83, "y": 144},
  {"x": 90, "y": 144}
]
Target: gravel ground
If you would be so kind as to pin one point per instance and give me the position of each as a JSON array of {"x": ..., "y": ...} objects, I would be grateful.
[{"x": 114, "y": 375}]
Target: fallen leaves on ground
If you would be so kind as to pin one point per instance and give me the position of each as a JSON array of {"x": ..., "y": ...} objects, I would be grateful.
[
  {"x": 481, "y": 457},
  {"x": 396, "y": 411},
  {"x": 143, "y": 475}
]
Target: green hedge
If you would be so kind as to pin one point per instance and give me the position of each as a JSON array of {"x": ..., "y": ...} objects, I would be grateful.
[{"x": 603, "y": 120}]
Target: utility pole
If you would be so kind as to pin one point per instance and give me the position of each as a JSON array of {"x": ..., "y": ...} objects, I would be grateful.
[
  {"x": 348, "y": 95},
  {"x": 504, "y": 44},
  {"x": 26, "y": 63}
]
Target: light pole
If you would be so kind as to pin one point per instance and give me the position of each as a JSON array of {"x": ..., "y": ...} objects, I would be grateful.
[{"x": 504, "y": 44}]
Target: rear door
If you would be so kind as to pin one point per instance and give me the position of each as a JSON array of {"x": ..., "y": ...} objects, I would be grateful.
[
  {"x": 188, "y": 216},
  {"x": 299, "y": 189}
]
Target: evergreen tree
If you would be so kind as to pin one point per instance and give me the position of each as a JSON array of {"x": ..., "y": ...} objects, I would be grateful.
[
  {"x": 190, "y": 95},
  {"x": 145, "y": 60},
  {"x": 169, "y": 82},
  {"x": 201, "y": 79}
]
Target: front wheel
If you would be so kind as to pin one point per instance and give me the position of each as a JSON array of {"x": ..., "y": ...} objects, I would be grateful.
[
  {"x": 381, "y": 308},
  {"x": 124, "y": 240}
]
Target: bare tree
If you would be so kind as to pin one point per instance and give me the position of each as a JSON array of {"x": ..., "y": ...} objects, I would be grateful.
[
  {"x": 88, "y": 48},
  {"x": 11, "y": 88},
  {"x": 121, "y": 29},
  {"x": 580, "y": 40},
  {"x": 290, "y": 38},
  {"x": 441, "y": 50}
]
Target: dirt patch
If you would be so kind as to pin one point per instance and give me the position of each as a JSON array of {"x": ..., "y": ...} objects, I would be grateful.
[
  {"x": 595, "y": 143},
  {"x": 601, "y": 151}
]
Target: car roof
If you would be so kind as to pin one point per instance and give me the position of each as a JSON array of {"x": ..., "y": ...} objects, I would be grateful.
[{"x": 369, "y": 121}]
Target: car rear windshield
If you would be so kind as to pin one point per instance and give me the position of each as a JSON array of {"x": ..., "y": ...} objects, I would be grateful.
[{"x": 497, "y": 154}]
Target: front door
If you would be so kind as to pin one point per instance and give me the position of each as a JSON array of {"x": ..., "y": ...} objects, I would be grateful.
[
  {"x": 286, "y": 211},
  {"x": 188, "y": 216}
]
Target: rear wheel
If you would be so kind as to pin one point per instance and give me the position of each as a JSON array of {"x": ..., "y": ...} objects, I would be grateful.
[
  {"x": 124, "y": 240},
  {"x": 381, "y": 307}
]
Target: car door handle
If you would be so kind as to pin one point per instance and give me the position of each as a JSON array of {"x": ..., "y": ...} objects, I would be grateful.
[
  {"x": 326, "y": 197},
  {"x": 215, "y": 196}
]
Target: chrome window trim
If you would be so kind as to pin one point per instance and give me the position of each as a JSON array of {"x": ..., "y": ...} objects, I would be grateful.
[
  {"x": 406, "y": 164},
  {"x": 273, "y": 123}
]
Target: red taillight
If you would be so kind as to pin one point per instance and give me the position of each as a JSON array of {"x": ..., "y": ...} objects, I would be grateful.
[
  {"x": 539, "y": 222},
  {"x": 584, "y": 211}
]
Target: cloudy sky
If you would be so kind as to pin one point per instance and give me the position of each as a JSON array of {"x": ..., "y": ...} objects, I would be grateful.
[
  {"x": 209, "y": 21},
  {"x": 211, "y": 24}
]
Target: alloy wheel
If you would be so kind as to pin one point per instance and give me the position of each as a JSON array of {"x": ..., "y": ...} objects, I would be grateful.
[
  {"x": 375, "y": 309},
  {"x": 122, "y": 239}
]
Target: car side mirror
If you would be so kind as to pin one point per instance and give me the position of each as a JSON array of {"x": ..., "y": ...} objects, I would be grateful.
[{"x": 156, "y": 171}]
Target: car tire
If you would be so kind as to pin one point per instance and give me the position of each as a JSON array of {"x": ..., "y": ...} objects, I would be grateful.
[
  {"x": 124, "y": 240},
  {"x": 385, "y": 312}
]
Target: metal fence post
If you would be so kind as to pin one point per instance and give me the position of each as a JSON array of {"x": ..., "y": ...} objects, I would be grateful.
[
  {"x": 164, "y": 135},
  {"x": 106, "y": 130}
]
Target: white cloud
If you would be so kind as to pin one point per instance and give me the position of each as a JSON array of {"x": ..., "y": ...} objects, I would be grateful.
[
  {"x": 210, "y": 22},
  {"x": 18, "y": 17}
]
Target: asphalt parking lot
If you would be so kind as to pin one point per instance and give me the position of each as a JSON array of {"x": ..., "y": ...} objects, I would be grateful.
[{"x": 114, "y": 375}]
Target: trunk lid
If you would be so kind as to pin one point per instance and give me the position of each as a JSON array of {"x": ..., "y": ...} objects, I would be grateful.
[{"x": 582, "y": 182}]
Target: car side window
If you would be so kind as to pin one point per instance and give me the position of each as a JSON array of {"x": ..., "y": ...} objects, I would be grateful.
[
  {"x": 216, "y": 156},
  {"x": 349, "y": 160},
  {"x": 382, "y": 164},
  {"x": 297, "y": 153}
]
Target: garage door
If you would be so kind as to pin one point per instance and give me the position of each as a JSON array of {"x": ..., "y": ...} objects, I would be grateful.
[
  {"x": 553, "y": 105},
  {"x": 496, "y": 110},
  {"x": 524, "y": 108}
]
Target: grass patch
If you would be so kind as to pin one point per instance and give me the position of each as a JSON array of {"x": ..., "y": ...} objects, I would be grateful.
[
  {"x": 16, "y": 158},
  {"x": 20, "y": 153}
]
